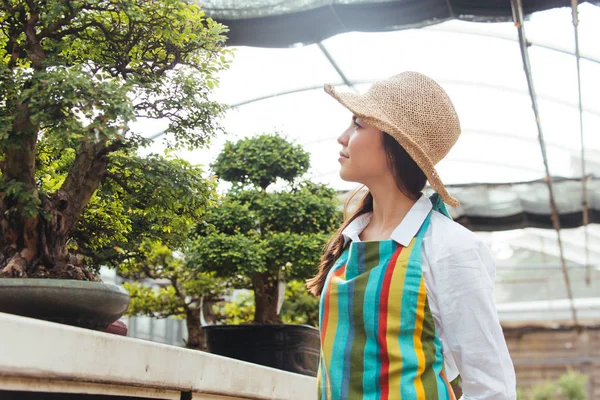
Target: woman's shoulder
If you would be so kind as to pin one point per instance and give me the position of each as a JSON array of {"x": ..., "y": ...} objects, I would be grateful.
[
  {"x": 447, "y": 228},
  {"x": 447, "y": 238}
]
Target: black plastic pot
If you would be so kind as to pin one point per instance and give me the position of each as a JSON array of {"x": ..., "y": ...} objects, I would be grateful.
[{"x": 293, "y": 348}]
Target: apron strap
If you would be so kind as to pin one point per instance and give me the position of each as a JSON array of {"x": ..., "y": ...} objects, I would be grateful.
[{"x": 438, "y": 205}]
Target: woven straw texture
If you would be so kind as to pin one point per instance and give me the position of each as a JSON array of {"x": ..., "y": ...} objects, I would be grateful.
[{"x": 417, "y": 112}]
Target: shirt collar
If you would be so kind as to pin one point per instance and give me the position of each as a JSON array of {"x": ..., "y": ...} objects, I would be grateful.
[{"x": 403, "y": 234}]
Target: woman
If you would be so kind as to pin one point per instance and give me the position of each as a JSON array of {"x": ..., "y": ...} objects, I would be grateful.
[{"x": 406, "y": 293}]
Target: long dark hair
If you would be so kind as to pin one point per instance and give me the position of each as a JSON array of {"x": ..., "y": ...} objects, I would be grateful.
[{"x": 409, "y": 178}]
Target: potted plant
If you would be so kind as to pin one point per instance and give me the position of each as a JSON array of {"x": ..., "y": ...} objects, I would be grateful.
[
  {"x": 175, "y": 290},
  {"x": 73, "y": 189},
  {"x": 270, "y": 227}
]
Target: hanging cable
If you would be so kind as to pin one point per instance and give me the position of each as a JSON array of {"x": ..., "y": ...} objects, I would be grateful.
[
  {"x": 517, "y": 9},
  {"x": 584, "y": 178}
]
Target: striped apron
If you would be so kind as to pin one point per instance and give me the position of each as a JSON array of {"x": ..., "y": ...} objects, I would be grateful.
[{"x": 378, "y": 337}]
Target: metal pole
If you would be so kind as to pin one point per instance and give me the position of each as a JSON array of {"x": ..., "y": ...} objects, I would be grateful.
[
  {"x": 335, "y": 65},
  {"x": 517, "y": 9},
  {"x": 593, "y": 110},
  {"x": 584, "y": 191}
]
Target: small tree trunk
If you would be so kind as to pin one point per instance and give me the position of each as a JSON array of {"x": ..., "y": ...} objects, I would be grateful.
[
  {"x": 266, "y": 293},
  {"x": 196, "y": 339},
  {"x": 19, "y": 229},
  {"x": 208, "y": 312},
  {"x": 36, "y": 247}
]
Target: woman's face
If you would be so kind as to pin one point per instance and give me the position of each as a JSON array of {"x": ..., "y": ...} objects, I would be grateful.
[{"x": 363, "y": 158}]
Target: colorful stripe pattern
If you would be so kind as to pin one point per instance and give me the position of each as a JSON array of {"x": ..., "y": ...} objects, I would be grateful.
[{"x": 378, "y": 337}]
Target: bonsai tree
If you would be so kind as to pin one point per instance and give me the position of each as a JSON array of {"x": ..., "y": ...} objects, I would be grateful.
[
  {"x": 73, "y": 75},
  {"x": 261, "y": 236},
  {"x": 183, "y": 292}
]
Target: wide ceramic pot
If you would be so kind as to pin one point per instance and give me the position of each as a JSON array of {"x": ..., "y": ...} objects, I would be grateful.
[
  {"x": 293, "y": 348},
  {"x": 92, "y": 305}
]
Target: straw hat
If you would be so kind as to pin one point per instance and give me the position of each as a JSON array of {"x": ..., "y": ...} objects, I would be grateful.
[{"x": 415, "y": 111}]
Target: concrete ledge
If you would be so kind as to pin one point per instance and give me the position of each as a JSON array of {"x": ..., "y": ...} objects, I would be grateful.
[{"x": 43, "y": 356}]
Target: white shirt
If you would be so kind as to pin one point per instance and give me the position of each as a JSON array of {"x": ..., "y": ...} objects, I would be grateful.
[{"x": 459, "y": 273}]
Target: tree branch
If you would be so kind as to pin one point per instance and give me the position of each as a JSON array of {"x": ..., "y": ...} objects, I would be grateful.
[
  {"x": 34, "y": 48},
  {"x": 83, "y": 179},
  {"x": 178, "y": 292},
  {"x": 121, "y": 182},
  {"x": 52, "y": 28},
  {"x": 147, "y": 271},
  {"x": 111, "y": 148},
  {"x": 8, "y": 8}
]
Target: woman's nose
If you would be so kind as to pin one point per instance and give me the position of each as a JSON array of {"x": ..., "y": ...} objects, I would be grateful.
[{"x": 343, "y": 138}]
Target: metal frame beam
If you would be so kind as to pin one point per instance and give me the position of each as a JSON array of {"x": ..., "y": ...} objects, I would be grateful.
[
  {"x": 517, "y": 8},
  {"x": 475, "y": 32},
  {"x": 470, "y": 83},
  {"x": 335, "y": 66},
  {"x": 584, "y": 191}
]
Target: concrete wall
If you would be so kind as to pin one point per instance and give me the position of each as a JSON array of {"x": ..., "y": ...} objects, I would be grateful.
[{"x": 39, "y": 356}]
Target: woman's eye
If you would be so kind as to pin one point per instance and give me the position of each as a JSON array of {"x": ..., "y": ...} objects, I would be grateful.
[{"x": 356, "y": 124}]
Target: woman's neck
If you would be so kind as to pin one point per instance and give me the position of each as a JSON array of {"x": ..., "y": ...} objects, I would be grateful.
[{"x": 390, "y": 206}]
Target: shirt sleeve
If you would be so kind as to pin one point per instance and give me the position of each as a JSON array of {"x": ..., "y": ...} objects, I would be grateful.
[{"x": 464, "y": 283}]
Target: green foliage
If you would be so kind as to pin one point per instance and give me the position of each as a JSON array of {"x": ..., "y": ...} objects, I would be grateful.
[
  {"x": 239, "y": 311},
  {"x": 154, "y": 302},
  {"x": 228, "y": 256},
  {"x": 18, "y": 192},
  {"x": 570, "y": 386},
  {"x": 182, "y": 287},
  {"x": 544, "y": 391},
  {"x": 306, "y": 208},
  {"x": 573, "y": 385},
  {"x": 261, "y": 160},
  {"x": 156, "y": 198},
  {"x": 299, "y": 307},
  {"x": 228, "y": 216},
  {"x": 296, "y": 254},
  {"x": 163, "y": 199}
]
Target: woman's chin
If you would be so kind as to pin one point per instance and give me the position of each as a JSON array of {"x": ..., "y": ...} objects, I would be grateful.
[{"x": 345, "y": 176}]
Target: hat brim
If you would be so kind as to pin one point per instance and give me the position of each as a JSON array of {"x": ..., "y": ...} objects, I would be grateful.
[{"x": 361, "y": 105}]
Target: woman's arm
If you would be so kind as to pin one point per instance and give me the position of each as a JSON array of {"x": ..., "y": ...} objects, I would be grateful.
[{"x": 464, "y": 283}]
